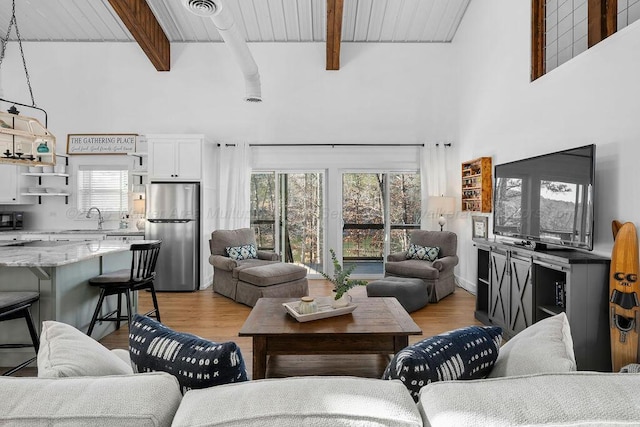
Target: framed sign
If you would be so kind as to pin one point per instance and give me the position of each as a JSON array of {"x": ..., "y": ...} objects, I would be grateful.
[
  {"x": 480, "y": 227},
  {"x": 110, "y": 143}
]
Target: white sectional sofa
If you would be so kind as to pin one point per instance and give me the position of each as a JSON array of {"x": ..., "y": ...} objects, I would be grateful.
[
  {"x": 534, "y": 384},
  {"x": 154, "y": 399},
  {"x": 562, "y": 399}
]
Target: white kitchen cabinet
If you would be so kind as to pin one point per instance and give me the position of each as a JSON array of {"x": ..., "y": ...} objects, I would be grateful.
[
  {"x": 10, "y": 193},
  {"x": 175, "y": 157}
]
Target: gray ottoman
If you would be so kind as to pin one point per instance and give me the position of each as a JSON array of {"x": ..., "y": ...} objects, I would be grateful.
[
  {"x": 412, "y": 294},
  {"x": 274, "y": 280}
]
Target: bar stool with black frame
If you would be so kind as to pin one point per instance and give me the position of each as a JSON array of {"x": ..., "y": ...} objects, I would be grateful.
[
  {"x": 14, "y": 305},
  {"x": 125, "y": 281}
]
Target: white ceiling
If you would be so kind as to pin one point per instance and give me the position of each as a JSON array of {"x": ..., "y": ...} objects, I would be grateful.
[{"x": 415, "y": 21}]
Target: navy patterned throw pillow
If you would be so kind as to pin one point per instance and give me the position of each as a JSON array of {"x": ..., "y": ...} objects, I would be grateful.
[
  {"x": 195, "y": 362},
  {"x": 425, "y": 253},
  {"x": 463, "y": 354},
  {"x": 242, "y": 252}
]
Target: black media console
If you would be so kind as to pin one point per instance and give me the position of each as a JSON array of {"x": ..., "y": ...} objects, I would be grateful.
[{"x": 517, "y": 286}]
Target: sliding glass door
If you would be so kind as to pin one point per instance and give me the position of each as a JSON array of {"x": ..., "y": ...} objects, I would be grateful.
[
  {"x": 363, "y": 216},
  {"x": 263, "y": 209},
  {"x": 301, "y": 222},
  {"x": 286, "y": 213},
  {"x": 404, "y": 209},
  {"x": 379, "y": 210}
]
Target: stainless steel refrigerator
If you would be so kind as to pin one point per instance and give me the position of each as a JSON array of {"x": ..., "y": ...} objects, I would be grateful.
[{"x": 173, "y": 216}]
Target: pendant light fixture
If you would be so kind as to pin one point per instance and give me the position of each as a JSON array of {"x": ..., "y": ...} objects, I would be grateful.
[{"x": 23, "y": 140}]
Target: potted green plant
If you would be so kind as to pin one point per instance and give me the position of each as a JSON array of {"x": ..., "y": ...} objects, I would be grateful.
[{"x": 341, "y": 281}]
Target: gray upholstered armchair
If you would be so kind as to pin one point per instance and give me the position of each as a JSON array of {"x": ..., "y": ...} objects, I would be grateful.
[
  {"x": 247, "y": 280},
  {"x": 437, "y": 275}
]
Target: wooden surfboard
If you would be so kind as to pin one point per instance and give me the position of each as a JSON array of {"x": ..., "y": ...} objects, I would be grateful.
[
  {"x": 615, "y": 227},
  {"x": 624, "y": 295}
]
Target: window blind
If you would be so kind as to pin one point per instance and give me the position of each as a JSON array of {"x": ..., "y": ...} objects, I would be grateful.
[{"x": 105, "y": 187}]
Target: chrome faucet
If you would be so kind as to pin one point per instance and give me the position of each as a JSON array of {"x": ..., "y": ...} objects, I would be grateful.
[{"x": 100, "y": 219}]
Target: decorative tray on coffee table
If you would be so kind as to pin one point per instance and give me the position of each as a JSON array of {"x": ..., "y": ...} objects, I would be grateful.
[{"x": 324, "y": 310}]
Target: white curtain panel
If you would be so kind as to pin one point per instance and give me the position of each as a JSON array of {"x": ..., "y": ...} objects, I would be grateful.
[
  {"x": 433, "y": 177},
  {"x": 234, "y": 179}
]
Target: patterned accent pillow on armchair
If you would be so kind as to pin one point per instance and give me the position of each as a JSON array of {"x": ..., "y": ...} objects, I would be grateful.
[
  {"x": 242, "y": 252},
  {"x": 425, "y": 253},
  {"x": 462, "y": 354},
  {"x": 194, "y": 361}
]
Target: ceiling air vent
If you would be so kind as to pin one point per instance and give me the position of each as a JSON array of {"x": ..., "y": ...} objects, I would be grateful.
[{"x": 201, "y": 7}]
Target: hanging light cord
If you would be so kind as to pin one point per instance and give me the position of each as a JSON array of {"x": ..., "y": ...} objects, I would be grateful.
[{"x": 14, "y": 22}]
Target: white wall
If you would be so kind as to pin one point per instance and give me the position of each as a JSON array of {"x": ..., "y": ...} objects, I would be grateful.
[
  {"x": 592, "y": 99},
  {"x": 475, "y": 92},
  {"x": 384, "y": 93}
]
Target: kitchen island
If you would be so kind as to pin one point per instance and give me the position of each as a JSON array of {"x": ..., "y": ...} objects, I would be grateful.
[{"x": 59, "y": 271}]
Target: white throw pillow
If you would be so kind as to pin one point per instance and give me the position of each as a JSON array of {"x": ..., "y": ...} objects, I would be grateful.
[
  {"x": 67, "y": 352},
  {"x": 544, "y": 347}
]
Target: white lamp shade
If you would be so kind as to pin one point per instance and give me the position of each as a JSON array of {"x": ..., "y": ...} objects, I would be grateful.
[
  {"x": 441, "y": 205},
  {"x": 138, "y": 206}
]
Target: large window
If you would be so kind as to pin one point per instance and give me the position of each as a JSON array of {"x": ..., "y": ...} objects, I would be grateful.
[
  {"x": 404, "y": 208},
  {"x": 379, "y": 210},
  {"x": 263, "y": 209},
  {"x": 287, "y": 215},
  {"x": 104, "y": 187},
  {"x": 562, "y": 29}
]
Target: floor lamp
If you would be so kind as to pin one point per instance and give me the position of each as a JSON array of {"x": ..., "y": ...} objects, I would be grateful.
[{"x": 441, "y": 205}]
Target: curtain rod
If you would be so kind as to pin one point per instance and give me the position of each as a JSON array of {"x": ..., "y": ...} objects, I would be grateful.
[{"x": 437, "y": 144}]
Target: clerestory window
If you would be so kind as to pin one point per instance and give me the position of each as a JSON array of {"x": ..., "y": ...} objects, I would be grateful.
[{"x": 562, "y": 29}]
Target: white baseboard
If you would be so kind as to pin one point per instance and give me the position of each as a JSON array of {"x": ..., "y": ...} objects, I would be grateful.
[{"x": 465, "y": 284}]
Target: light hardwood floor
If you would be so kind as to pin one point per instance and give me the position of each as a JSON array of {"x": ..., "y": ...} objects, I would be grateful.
[{"x": 214, "y": 317}]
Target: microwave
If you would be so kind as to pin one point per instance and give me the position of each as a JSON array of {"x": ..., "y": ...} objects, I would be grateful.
[{"x": 11, "y": 220}]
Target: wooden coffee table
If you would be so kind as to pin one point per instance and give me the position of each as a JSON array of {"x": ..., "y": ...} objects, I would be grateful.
[{"x": 376, "y": 326}]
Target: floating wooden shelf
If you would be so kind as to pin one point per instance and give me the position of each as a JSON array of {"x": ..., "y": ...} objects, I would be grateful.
[
  {"x": 46, "y": 194},
  {"x": 45, "y": 174}
]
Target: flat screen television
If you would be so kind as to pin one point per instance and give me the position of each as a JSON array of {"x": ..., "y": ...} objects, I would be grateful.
[{"x": 547, "y": 200}]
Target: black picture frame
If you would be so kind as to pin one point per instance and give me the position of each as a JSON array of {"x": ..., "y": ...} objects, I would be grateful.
[{"x": 480, "y": 227}]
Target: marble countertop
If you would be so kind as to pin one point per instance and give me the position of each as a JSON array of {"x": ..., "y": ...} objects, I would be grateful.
[
  {"x": 54, "y": 254},
  {"x": 108, "y": 232}
]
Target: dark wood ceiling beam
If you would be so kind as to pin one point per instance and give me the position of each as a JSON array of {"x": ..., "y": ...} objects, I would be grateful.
[
  {"x": 334, "y": 33},
  {"x": 537, "y": 38},
  {"x": 144, "y": 27}
]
